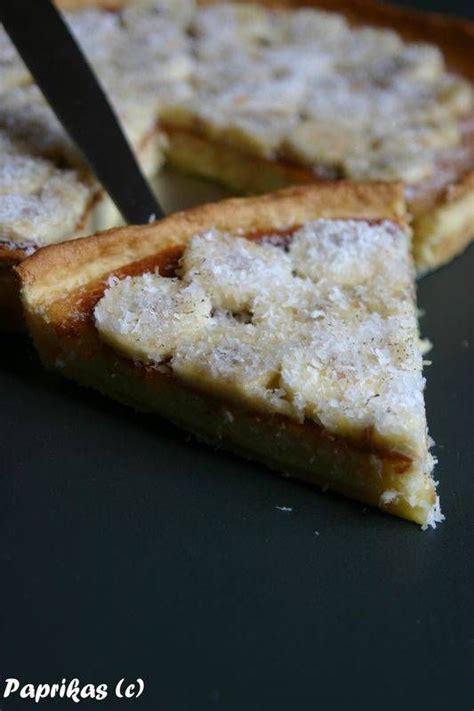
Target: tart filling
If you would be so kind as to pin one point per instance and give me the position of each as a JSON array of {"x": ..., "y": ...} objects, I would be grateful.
[
  {"x": 303, "y": 89},
  {"x": 315, "y": 327}
]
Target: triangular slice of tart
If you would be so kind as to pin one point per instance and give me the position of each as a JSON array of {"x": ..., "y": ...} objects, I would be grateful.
[{"x": 282, "y": 327}]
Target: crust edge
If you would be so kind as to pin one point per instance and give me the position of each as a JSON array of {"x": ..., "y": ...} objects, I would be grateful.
[
  {"x": 82, "y": 356},
  {"x": 59, "y": 268}
]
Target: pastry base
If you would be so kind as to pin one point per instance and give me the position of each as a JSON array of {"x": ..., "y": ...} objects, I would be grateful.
[
  {"x": 62, "y": 283},
  {"x": 443, "y": 225}
]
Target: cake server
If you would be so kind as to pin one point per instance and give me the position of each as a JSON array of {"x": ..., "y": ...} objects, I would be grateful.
[{"x": 70, "y": 86}]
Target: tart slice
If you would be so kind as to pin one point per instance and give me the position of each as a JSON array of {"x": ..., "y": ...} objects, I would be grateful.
[{"x": 281, "y": 327}]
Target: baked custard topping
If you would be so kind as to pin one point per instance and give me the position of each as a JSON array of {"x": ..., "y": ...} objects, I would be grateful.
[
  {"x": 320, "y": 327},
  {"x": 299, "y": 85},
  {"x": 36, "y": 198}
]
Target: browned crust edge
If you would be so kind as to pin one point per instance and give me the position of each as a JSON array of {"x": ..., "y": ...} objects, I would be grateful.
[
  {"x": 57, "y": 269},
  {"x": 12, "y": 253},
  {"x": 453, "y": 35},
  {"x": 57, "y": 279}
]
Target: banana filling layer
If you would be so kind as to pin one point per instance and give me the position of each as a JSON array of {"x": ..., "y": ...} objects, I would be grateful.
[{"x": 320, "y": 327}]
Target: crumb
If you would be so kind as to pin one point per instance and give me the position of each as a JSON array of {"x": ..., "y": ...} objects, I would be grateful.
[{"x": 287, "y": 509}]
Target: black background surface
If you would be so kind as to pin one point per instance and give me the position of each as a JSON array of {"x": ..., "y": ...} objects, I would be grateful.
[{"x": 127, "y": 550}]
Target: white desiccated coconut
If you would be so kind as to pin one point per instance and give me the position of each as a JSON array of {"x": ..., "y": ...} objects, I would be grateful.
[
  {"x": 298, "y": 83},
  {"x": 153, "y": 313},
  {"x": 58, "y": 208},
  {"x": 435, "y": 516},
  {"x": 23, "y": 175},
  {"x": 326, "y": 330},
  {"x": 26, "y": 117},
  {"x": 308, "y": 26},
  {"x": 218, "y": 263},
  {"x": 230, "y": 24},
  {"x": 349, "y": 253}
]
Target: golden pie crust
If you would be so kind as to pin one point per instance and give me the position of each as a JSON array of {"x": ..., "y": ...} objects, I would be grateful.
[
  {"x": 442, "y": 218},
  {"x": 61, "y": 284}
]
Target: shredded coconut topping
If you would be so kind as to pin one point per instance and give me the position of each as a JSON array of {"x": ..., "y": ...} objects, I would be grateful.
[
  {"x": 299, "y": 84},
  {"x": 325, "y": 331},
  {"x": 320, "y": 327}
]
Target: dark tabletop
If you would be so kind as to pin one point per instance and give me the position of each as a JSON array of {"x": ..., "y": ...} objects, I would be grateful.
[{"x": 127, "y": 550}]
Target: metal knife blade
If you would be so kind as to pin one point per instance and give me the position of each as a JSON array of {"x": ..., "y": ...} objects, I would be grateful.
[{"x": 68, "y": 83}]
